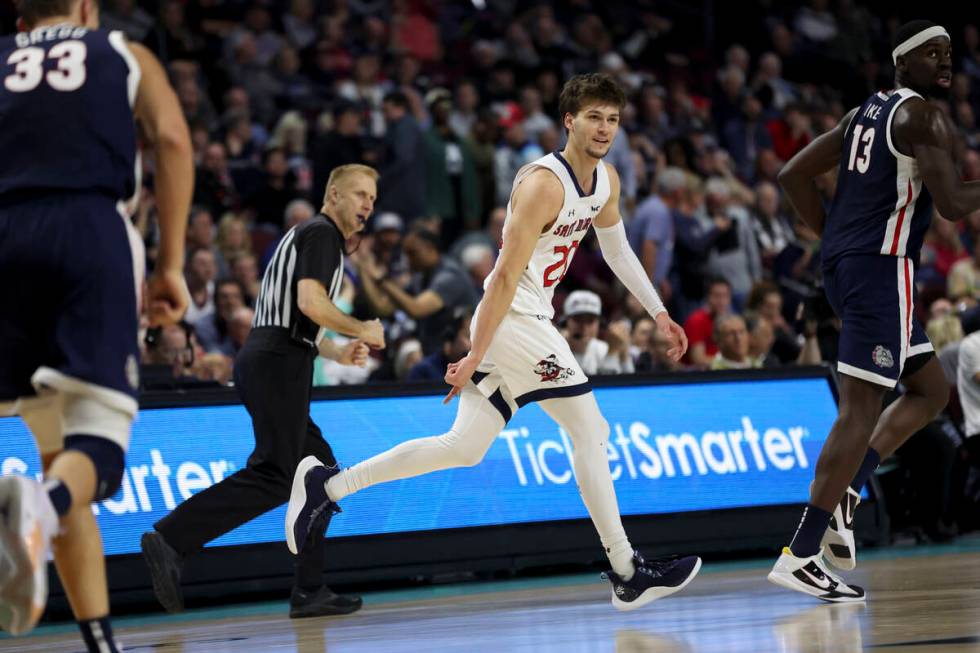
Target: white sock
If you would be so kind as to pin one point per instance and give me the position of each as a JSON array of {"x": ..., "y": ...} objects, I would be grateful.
[
  {"x": 477, "y": 425},
  {"x": 588, "y": 430}
]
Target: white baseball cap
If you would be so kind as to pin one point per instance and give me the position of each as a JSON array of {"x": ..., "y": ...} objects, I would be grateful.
[{"x": 583, "y": 302}]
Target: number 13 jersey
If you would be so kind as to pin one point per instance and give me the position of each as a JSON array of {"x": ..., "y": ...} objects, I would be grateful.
[
  {"x": 881, "y": 205},
  {"x": 66, "y": 113},
  {"x": 555, "y": 248}
]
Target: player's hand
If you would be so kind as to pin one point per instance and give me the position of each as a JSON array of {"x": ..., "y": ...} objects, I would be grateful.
[
  {"x": 167, "y": 297},
  {"x": 459, "y": 374},
  {"x": 675, "y": 336},
  {"x": 373, "y": 334},
  {"x": 354, "y": 352}
]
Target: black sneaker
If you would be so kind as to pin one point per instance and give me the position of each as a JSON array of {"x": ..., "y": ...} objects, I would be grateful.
[
  {"x": 165, "y": 567},
  {"x": 321, "y": 603},
  {"x": 652, "y": 580},
  {"x": 308, "y": 501}
]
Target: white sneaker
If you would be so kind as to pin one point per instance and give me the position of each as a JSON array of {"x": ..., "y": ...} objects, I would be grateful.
[
  {"x": 838, "y": 542},
  {"x": 27, "y": 523},
  {"x": 811, "y": 576}
]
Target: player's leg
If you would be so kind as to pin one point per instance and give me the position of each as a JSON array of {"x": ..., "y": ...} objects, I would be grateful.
[
  {"x": 636, "y": 582},
  {"x": 88, "y": 468},
  {"x": 874, "y": 307},
  {"x": 276, "y": 399},
  {"x": 926, "y": 394},
  {"x": 309, "y": 596},
  {"x": 315, "y": 487}
]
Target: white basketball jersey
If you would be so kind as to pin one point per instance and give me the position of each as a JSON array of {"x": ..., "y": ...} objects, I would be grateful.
[{"x": 554, "y": 251}]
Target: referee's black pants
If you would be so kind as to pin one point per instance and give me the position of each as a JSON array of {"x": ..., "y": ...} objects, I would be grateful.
[{"x": 273, "y": 375}]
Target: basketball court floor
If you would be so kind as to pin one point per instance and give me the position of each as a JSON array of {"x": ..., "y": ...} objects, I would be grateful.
[{"x": 922, "y": 600}]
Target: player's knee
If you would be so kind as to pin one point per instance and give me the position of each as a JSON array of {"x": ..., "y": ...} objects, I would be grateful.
[
  {"x": 107, "y": 457},
  {"x": 100, "y": 432},
  {"x": 462, "y": 451}
]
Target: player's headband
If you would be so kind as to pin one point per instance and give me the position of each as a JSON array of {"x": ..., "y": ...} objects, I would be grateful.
[{"x": 916, "y": 40}]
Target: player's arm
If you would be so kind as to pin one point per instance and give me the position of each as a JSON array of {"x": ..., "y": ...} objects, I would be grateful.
[
  {"x": 925, "y": 129},
  {"x": 419, "y": 306},
  {"x": 165, "y": 130},
  {"x": 621, "y": 259},
  {"x": 797, "y": 176},
  {"x": 314, "y": 303},
  {"x": 534, "y": 205}
]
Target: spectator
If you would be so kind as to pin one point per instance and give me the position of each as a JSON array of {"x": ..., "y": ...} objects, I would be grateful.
[
  {"x": 128, "y": 17},
  {"x": 343, "y": 144},
  {"x": 464, "y": 114},
  {"x": 745, "y": 135},
  {"x": 452, "y": 193},
  {"x": 761, "y": 339},
  {"x": 297, "y": 212},
  {"x": 478, "y": 261},
  {"x": 438, "y": 287},
  {"x": 582, "y": 311},
  {"x": 791, "y": 133},
  {"x": 773, "y": 229},
  {"x": 766, "y": 301},
  {"x": 455, "y": 345},
  {"x": 651, "y": 231},
  {"x": 733, "y": 344},
  {"x": 212, "y": 330},
  {"x": 643, "y": 330},
  {"x": 245, "y": 270},
  {"x": 655, "y": 358},
  {"x": 735, "y": 257},
  {"x": 201, "y": 273},
  {"x": 278, "y": 189},
  {"x": 403, "y": 172},
  {"x": 535, "y": 120},
  {"x": 214, "y": 187},
  {"x": 239, "y": 326},
  {"x": 512, "y": 154},
  {"x": 963, "y": 282},
  {"x": 233, "y": 239},
  {"x": 408, "y": 356},
  {"x": 700, "y": 325}
]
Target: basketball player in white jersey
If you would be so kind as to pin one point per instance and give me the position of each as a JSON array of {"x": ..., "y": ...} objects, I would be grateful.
[{"x": 518, "y": 356}]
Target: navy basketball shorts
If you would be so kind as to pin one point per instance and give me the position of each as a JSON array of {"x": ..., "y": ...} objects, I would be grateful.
[
  {"x": 873, "y": 297},
  {"x": 71, "y": 266}
]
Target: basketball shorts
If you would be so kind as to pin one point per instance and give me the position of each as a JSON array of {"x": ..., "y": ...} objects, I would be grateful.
[
  {"x": 528, "y": 360},
  {"x": 72, "y": 269},
  {"x": 873, "y": 297}
]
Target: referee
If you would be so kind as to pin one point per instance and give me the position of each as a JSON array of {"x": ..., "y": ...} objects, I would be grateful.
[{"x": 273, "y": 375}]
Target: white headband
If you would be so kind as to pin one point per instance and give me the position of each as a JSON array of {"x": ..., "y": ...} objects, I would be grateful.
[{"x": 916, "y": 40}]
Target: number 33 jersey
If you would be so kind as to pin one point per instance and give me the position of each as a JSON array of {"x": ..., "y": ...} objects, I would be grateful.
[
  {"x": 66, "y": 113},
  {"x": 881, "y": 205},
  {"x": 555, "y": 249}
]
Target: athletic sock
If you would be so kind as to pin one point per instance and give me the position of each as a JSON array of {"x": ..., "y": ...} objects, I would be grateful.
[
  {"x": 812, "y": 526},
  {"x": 59, "y": 494},
  {"x": 870, "y": 463},
  {"x": 97, "y": 634}
]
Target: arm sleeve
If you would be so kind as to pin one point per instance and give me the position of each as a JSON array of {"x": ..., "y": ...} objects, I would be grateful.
[
  {"x": 317, "y": 255},
  {"x": 623, "y": 262}
]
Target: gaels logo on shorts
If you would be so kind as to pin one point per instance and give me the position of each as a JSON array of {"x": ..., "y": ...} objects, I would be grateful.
[
  {"x": 550, "y": 370},
  {"x": 882, "y": 357}
]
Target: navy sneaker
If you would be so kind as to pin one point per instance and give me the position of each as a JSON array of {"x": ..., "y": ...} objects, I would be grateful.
[
  {"x": 652, "y": 580},
  {"x": 308, "y": 501},
  {"x": 165, "y": 569},
  {"x": 321, "y": 603}
]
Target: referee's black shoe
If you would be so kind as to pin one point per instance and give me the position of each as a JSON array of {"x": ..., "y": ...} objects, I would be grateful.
[
  {"x": 321, "y": 603},
  {"x": 165, "y": 567},
  {"x": 308, "y": 502}
]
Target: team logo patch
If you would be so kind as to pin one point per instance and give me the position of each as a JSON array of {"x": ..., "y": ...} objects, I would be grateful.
[
  {"x": 882, "y": 357},
  {"x": 132, "y": 372},
  {"x": 549, "y": 369}
]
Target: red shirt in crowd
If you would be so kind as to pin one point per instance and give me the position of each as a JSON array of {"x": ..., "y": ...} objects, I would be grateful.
[{"x": 700, "y": 327}]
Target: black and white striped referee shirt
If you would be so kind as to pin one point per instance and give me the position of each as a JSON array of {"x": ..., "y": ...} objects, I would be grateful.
[{"x": 312, "y": 250}]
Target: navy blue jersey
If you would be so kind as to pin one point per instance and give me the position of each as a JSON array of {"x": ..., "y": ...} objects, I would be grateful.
[
  {"x": 881, "y": 205},
  {"x": 66, "y": 116}
]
